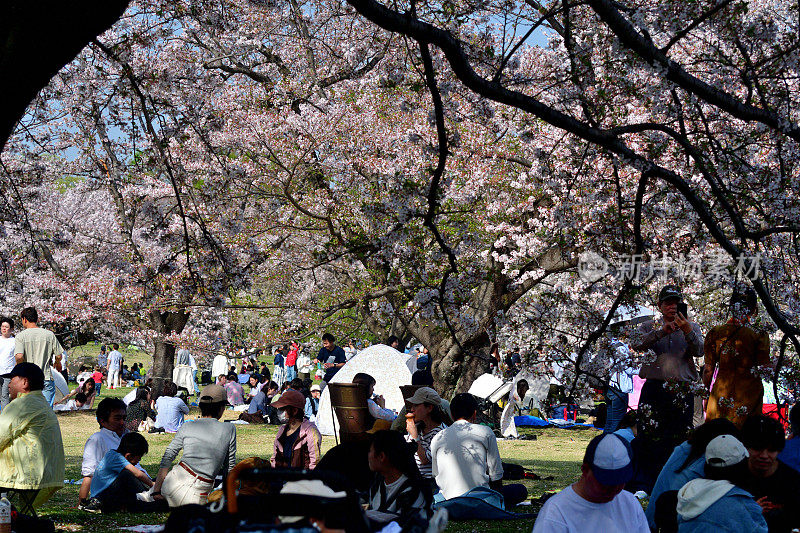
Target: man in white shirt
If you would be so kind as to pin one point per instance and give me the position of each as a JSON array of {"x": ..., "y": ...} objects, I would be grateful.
[
  {"x": 375, "y": 404},
  {"x": 111, "y": 417},
  {"x": 114, "y": 366},
  {"x": 465, "y": 456},
  {"x": 7, "y": 360},
  {"x": 596, "y": 502}
]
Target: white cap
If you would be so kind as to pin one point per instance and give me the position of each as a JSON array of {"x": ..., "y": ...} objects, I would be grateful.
[
  {"x": 308, "y": 487},
  {"x": 725, "y": 450}
]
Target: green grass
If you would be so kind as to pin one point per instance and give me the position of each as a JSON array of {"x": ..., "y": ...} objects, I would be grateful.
[{"x": 555, "y": 453}]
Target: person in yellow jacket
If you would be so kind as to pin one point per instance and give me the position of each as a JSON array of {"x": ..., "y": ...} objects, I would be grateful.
[{"x": 31, "y": 450}]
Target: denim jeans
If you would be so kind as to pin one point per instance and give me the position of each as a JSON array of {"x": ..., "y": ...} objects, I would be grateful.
[
  {"x": 291, "y": 373},
  {"x": 617, "y": 407},
  {"x": 49, "y": 391}
]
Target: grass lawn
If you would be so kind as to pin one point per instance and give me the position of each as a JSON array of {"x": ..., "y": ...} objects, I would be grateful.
[{"x": 555, "y": 453}]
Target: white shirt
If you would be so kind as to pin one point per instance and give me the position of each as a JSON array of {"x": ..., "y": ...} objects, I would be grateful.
[
  {"x": 96, "y": 447},
  {"x": 192, "y": 362},
  {"x": 114, "y": 360},
  {"x": 7, "y": 360},
  {"x": 379, "y": 412},
  {"x": 465, "y": 456},
  {"x": 219, "y": 367},
  {"x": 567, "y": 512},
  {"x": 128, "y": 398}
]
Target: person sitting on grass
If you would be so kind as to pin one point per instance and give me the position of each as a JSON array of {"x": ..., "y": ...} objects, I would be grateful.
[
  {"x": 170, "y": 410},
  {"x": 376, "y": 404},
  {"x": 596, "y": 502},
  {"x": 423, "y": 425},
  {"x": 89, "y": 391},
  {"x": 209, "y": 448},
  {"x": 399, "y": 493},
  {"x": 297, "y": 444},
  {"x": 31, "y": 449},
  {"x": 718, "y": 502},
  {"x": 234, "y": 389},
  {"x": 140, "y": 410},
  {"x": 465, "y": 456},
  {"x": 117, "y": 482},
  {"x": 111, "y": 417}
]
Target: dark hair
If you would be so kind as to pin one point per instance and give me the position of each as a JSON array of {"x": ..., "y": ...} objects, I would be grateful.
[
  {"x": 399, "y": 452},
  {"x": 170, "y": 389},
  {"x": 294, "y": 412},
  {"x": 89, "y": 383},
  {"x": 108, "y": 406},
  {"x": 422, "y": 377},
  {"x": 364, "y": 379},
  {"x": 392, "y": 339},
  {"x": 272, "y": 385},
  {"x": 328, "y": 337},
  {"x": 463, "y": 405},
  {"x": 81, "y": 397},
  {"x": 116, "y": 346},
  {"x": 737, "y": 474},
  {"x": 134, "y": 444},
  {"x": 523, "y": 382},
  {"x": 9, "y": 320},
  {"x": 232, "y": 377},
  {"x": 211, "y": 408},
  {"x": 704, "y": 434},
  {"x": 102, "y": 347},
  {"x": 296, "y": 384},
  {"x": 761, "y": 432},
  {"x": 30, "y": 314},
  {"x": 142, "y": 393},
  {"x": 628, "y": 420},
  {"x": 307, "y": 383},
  {"x": 747, "y": 297}
]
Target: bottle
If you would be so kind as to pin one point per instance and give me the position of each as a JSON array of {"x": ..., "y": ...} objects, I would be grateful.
[{"x": 5, "y": 514}]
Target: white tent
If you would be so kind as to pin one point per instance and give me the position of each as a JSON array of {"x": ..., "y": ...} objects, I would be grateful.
[{"x": 390, "y": 369}]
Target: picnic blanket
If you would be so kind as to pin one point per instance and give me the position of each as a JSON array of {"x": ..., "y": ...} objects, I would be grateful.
[
  {"x": 481, "y": 503},
  {"x": 535, "y": 421}
]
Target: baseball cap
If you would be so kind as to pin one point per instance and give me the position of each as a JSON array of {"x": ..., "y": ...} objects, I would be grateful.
[
  {"x": 213, "y": 394},
  {"x": 669, "y": 291},
  {"x": 725, "y": 450},
  {"x": 315, "y": 387},
  {"x": 30, "y": 371},
  {"x": 291, "y": 398},
  {"x": 425, "y": 395},
  {"x": 610, "y": 458}
]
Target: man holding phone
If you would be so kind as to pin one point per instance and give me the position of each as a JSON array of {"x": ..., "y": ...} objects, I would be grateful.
[{"x": 666, "y": 405}]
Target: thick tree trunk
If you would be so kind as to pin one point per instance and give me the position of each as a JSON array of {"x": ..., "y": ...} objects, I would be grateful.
[
  {"x": 165, "y": 323},
  {"x": 455, "y": 369}
]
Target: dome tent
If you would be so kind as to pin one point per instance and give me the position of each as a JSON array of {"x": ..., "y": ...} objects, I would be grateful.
[{"x": 390, "y": 368}]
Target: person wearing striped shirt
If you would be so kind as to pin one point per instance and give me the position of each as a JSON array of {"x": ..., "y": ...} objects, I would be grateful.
[{"x": 423, "y": 422}]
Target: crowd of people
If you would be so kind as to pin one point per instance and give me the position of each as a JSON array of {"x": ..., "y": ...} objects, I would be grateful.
[{"x": 730, "y": 468}]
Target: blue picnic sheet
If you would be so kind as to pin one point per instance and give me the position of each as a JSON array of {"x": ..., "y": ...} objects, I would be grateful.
[
  {"x": 481, "y": 503},
  {"x": 535, "y": 421}
]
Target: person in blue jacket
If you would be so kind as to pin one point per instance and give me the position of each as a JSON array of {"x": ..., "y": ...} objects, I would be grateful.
[
  {"x": 687, "y": 462},
  {"x": 717, "y": 503}
]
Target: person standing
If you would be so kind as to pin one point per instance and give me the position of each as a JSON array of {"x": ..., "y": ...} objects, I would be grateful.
[
  {"x": 331, "y": 356},
  {"x": 114, "y": 366},
  {"x": 219, "y": 365},
  {"x": 291, "y": 362},
  {"x": 7, "y": 360},
  {"x": 102, "y": 357},
  {"x": 39, "y": 346},
  {"x": 736, "y": 349},
  {"x": 666, "y": 404}
]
